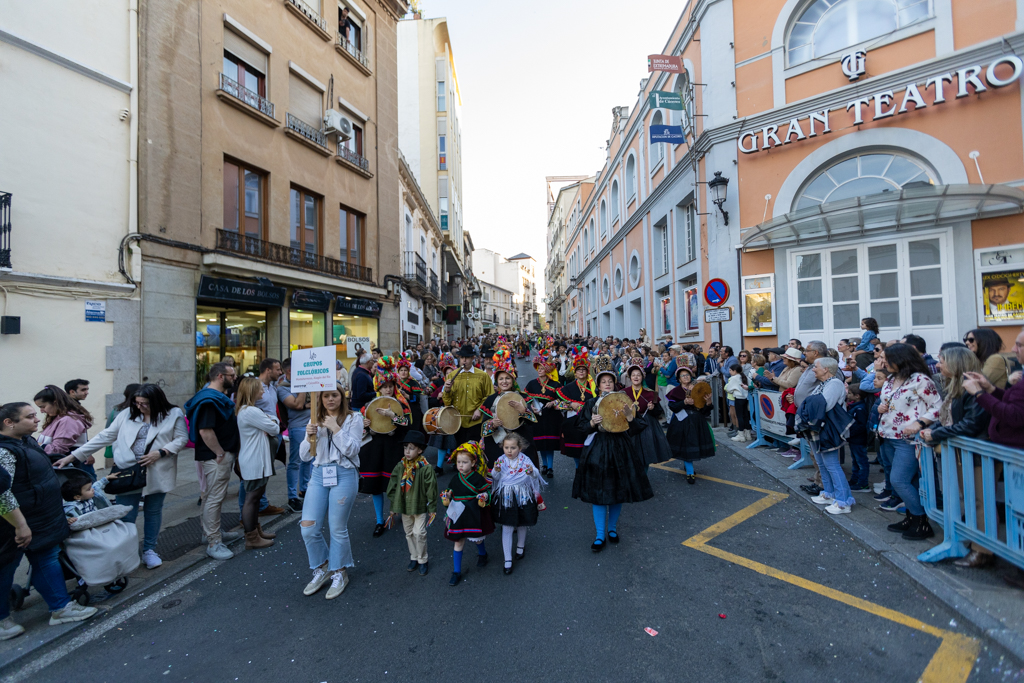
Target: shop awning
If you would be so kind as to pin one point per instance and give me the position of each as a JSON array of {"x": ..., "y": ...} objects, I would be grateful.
[{"x": 912, "y": 208}]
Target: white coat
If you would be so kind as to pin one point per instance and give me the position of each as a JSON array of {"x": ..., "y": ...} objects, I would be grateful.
[
  {"x": 169, "y": 434},
  {"x": 254, "y": 458}
]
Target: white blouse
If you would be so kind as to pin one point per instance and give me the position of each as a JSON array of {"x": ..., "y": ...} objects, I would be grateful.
[{"x": 341, "y": 449}]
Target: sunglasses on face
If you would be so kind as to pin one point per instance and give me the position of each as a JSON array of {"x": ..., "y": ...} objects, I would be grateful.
[{"x": 968, "y": 340}]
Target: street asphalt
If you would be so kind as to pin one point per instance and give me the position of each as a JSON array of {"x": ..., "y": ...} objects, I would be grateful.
[{"x": 565, "y": 614}]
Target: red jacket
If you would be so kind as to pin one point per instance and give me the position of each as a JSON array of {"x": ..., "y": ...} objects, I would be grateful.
[{"x": 1007, "y": 409}]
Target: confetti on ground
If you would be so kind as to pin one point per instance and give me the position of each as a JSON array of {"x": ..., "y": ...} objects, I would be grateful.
[
  {"x": 721, "y": 616},
  {"x": 651, "y": 631}
]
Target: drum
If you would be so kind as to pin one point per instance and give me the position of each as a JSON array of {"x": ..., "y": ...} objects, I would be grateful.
[
  {"x": 700, "y": 393},
  {"x": 444, "y": 420},
  {"x": 509, "y": 416},
  {"x": 382, "y": 424},
  {"x": 614, "y": 408}
]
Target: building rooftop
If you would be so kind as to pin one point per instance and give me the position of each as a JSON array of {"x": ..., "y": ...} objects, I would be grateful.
[{"x": 520, "y": 255}]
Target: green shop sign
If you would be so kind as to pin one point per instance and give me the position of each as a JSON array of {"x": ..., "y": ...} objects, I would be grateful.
[{"x": 661, "y": 99}]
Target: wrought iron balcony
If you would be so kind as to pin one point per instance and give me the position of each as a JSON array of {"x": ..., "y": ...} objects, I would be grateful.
[
  {"x": 414, "y": 272},
  {"x": 314, "y": 135},
  {"x": 353, "y": 158},
  {"x": 243, "y": 94},
  {"x": 262, "y": 250},
  {"x": 5, "y": 230},
  {"x": 435, "y": 288},
  {"x": 310, "y": 13},
  {"x": 349, "y": 48}
]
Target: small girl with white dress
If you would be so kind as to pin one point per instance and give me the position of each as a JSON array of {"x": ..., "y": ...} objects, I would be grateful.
[{"x": 515, "y": 495}]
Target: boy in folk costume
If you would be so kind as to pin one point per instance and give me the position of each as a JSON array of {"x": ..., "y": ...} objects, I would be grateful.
[
  {"x": 412, "y": 492},
  {"x": 547, "y": 435},
  {"x": 379, "y": 455},
  {"x": 468, "y": 501},
  {"x": 573, "y": 395}
]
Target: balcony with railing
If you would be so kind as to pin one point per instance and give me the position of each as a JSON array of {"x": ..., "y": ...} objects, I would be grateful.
[
  {"x": 252, "y": 103},
  {"x": 348, "y": 49},
  {"x": 435, "y": 287},
  {"x": 293, "y": 257},
  {"x": 5, "y": 230},
  {"x": 354, "y": 160},
  {"x": 314, "y": 138},
  {"x": 414, "y": 272},
  {"x": 310, "y": 15}
]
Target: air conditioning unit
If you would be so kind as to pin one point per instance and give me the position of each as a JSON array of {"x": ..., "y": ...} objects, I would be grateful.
[{"x": 336, "y": 123}]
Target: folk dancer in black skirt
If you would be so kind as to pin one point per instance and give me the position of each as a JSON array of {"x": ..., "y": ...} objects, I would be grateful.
[
  {"x": 573, "y": 395},
  {"x": 493, "y": 430},
  {"x": 410, "y": 389},
  {"x": 516, "y": 495},
  {"x": 471, "y": 519},
  {"x": 689, "y": 433},
  {"x": 379, "y": 456},
  {"x": 651, "y": 442},
  {"x": 611, "y": 470},
  {"x": 547, "y": 435},
  {"x": 444, "y": 443}
]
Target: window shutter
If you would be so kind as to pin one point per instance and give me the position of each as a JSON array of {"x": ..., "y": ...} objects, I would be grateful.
[
  {"x": 442, "y": 126},
  {"x": 245, "y": 51},
  {"x": 442, "y": 187},
  {"x": 304, "y": 101}
]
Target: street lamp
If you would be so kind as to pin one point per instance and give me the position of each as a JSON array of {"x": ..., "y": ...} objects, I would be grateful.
[
  {"x": 476, "y": 301},
  {"x": 718, "y": 186}
]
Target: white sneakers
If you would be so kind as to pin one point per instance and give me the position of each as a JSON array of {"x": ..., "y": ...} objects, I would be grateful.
[
  {"x": 10, "y": 629},
  {"x": 219, "y": 552},
  {"x": 320, "y": 577},
  {"x": 823, "y": 499},
  {"x": 338, "y": 583},
  {"x": 837, "y": 509},
  {"x": 151, "y": 559},
  {"x": 742, "y": 436},
  {"x": 71, "y": 612}
]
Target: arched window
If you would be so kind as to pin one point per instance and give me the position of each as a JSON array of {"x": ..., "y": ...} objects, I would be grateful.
[
  {"x": 684, "y": 118},
  {"x": 657, "y": 148},
  {"x": 630, "y": 177},
  {"x": 604, "y": 218},
  {"x": 593, "y": 235},
  {"x": 863, "y": 175},
  {"x": 615, "y": 200},
  {"x": 585, "y": 247},
  {"x": 827, "y": 26}
]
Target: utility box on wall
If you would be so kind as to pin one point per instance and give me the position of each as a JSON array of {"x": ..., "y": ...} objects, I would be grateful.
[{"x": 10, "y": 324}]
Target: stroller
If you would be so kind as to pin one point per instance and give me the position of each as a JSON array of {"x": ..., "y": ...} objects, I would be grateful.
[{"x": 101, "y": 551}]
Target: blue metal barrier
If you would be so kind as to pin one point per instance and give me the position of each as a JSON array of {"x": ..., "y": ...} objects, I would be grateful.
[{"x": 960, "y": 519}]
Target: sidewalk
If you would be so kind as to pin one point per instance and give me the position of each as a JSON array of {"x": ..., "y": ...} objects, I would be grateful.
[
  {"x": 980, "y": 596},
  {"x": 181, "y": 547}
]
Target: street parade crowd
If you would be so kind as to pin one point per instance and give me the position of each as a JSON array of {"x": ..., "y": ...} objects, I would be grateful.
[{"x": 612, "y": 406}]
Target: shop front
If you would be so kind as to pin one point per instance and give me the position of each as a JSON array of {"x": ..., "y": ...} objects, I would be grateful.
[
  {"x": 355, "y": 326},
  {"x": 231, "y": 323},
  {"x": 307, "y": 319}
]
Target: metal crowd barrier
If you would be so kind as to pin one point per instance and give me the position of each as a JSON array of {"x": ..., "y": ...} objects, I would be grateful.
[
  {"x": 951, "y": 499},
  {"x": 717, "y": 399}
]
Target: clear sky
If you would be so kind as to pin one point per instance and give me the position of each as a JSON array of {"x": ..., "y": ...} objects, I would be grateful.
[{"x": 538, "y": 80}]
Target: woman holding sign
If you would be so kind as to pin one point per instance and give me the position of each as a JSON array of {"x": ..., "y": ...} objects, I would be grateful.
[{"x": 331, "y": 491}]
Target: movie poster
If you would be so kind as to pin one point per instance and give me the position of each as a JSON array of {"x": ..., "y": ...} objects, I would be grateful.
[
  {"x": 692, "y": 300},
  {"x": 666, "y": 315},
  {"x": 757, "y": 310},
  {"x": 1003, "y": 296}
]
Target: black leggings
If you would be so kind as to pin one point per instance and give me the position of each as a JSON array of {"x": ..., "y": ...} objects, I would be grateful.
[
  {"x": 251, "y": 509},
  {"x": 742, "y": 414}
]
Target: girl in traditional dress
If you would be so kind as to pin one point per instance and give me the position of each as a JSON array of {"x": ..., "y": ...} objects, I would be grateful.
[
  {"x": 543, "y": 391},
  {"x": 493, "y": 429},
  {"x": 444, "y": 443},
  {"x": 573, "y": 395},
  {"x": 516, "y": 497},
  {"x": 689, "y": 433},
  {"x": 410, "y": 389},
  {"x": 651, "y": 442},
  {"x": 379, "y": 456},
  {"x": 611, "y": 470},
  {"x": 470, "y": 487}
]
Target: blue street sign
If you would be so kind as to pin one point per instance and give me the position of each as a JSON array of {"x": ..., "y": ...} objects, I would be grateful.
[{"x": 667, "y": 134}]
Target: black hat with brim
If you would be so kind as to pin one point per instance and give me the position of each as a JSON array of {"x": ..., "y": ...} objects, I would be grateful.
[
  {"x": 467, "y": 352},
  {"x": 416, "y": 438}
]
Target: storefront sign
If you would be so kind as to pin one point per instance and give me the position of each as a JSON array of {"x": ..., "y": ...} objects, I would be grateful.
[
  {"x": 886, "y": 103},
  {"x": 758, "y": 305},
  {"x": 667, "y": 63},
  {"x": 95, "y": 311},
  {"x": 661, "y": 99},
  {"x": 854, "y": 64},
  {"x": 1001, "y": 284},
  {"x": 356, "y": 345},
  {"x": 770, "y": 416},
  {"x": 344, "y": 305},
  {"x": 667, "y": 134},
  {"x": 453, "y": 314},
  {"x": 311, "y": 300},
  {"x": 314, "y": 369},
  {"x": 240, "y": 292}
]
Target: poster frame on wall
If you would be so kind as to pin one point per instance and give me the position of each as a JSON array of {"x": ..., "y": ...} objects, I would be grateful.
[
  {"x": 666, "y": 315},
  {"x": 990, "y": 262},
  {"x": 760, "y": 291},
  {"x": 692, "y": 309}
]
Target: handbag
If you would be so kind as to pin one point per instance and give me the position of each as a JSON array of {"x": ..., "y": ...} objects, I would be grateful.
[{"x": 129, "y": 479}]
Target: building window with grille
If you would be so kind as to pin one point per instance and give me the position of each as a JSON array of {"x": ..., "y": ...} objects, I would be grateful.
[
  {"x": 244, "y": 195},
  {"x": 245, "y": 64}
]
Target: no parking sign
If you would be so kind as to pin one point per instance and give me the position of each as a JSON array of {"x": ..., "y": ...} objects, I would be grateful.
[
  {"x": 771, "y": 418},
  {"x": 716, "y": 292}
]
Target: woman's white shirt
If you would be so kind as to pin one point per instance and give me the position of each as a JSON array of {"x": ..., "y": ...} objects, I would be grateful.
[{"x": 341, "y": 449}]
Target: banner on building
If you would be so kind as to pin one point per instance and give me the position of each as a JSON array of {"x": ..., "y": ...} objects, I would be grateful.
[
  {"x": 769, "y": 412},
  {"x": 667, "y": 63},
  {"x": 667, "y": 134},
  {"x": 662, "y": 99}
]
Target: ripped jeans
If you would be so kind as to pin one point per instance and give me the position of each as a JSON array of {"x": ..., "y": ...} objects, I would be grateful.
[{"x": 333, "y": 505}]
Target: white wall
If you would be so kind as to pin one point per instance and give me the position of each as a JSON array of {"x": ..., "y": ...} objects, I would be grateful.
[{"x": 409, "y": 95}]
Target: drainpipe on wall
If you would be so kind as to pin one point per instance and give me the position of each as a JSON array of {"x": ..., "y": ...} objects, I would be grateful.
[{"x": 133, "y": 150}]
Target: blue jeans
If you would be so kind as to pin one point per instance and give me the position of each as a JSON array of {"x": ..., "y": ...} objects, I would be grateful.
[
  {"x": 47, "y": 577},
  {"x": 547, "y": 458},
  {"x": 885, "y": 456},
  {"x": 905, "y": 474},
  {"x": 861, "y": 470},
  {"x": 298, "y": 472},
  {"x": 333, "y": 505},
  {"x": 153, "y": 514},
  {"x": 833, "y": 479}
]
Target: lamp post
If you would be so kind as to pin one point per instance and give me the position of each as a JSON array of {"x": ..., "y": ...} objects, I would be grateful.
[{"x": 719, "y": 187}]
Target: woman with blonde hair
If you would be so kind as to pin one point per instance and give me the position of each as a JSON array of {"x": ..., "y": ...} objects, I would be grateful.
[{"x": 255, "y": 461}]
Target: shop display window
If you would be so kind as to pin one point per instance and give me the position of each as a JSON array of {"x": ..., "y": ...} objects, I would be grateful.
[{"x": 223, "y": 332}]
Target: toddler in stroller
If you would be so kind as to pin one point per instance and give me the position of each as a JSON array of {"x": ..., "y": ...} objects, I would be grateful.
[{"x": 101, "y": 550}]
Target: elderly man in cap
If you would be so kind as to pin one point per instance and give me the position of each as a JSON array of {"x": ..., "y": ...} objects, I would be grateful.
[{"x": 466, "y": 390}]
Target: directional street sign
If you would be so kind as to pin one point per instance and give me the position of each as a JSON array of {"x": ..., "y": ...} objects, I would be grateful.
[{"x": 718, "y": 315}]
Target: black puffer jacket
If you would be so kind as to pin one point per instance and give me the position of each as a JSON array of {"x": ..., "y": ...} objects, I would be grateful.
[
  {"x": 37, "y": 490},
  {"x": 969, "y": 419}
]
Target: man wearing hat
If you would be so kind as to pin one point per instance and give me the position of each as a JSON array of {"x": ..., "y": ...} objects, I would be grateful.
[
  {"x": 467, "y": 391},
  {"x": 772, "y": 369},
  {"x": 412, "y": 491}
]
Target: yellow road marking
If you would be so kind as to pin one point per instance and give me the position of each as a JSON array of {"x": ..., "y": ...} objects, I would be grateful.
[{"x": 951, "y": 663}]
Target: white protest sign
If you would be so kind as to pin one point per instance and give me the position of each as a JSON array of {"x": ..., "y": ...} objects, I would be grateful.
[{"x": 314, "y": 370}]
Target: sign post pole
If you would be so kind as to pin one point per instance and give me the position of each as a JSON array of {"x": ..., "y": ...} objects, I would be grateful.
[
  {"x": 313, "y": 370},
  {"x": 314, "y": 417}
]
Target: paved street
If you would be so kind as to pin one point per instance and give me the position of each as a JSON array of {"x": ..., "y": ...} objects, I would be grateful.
[{"x": 801, "y": 602}]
